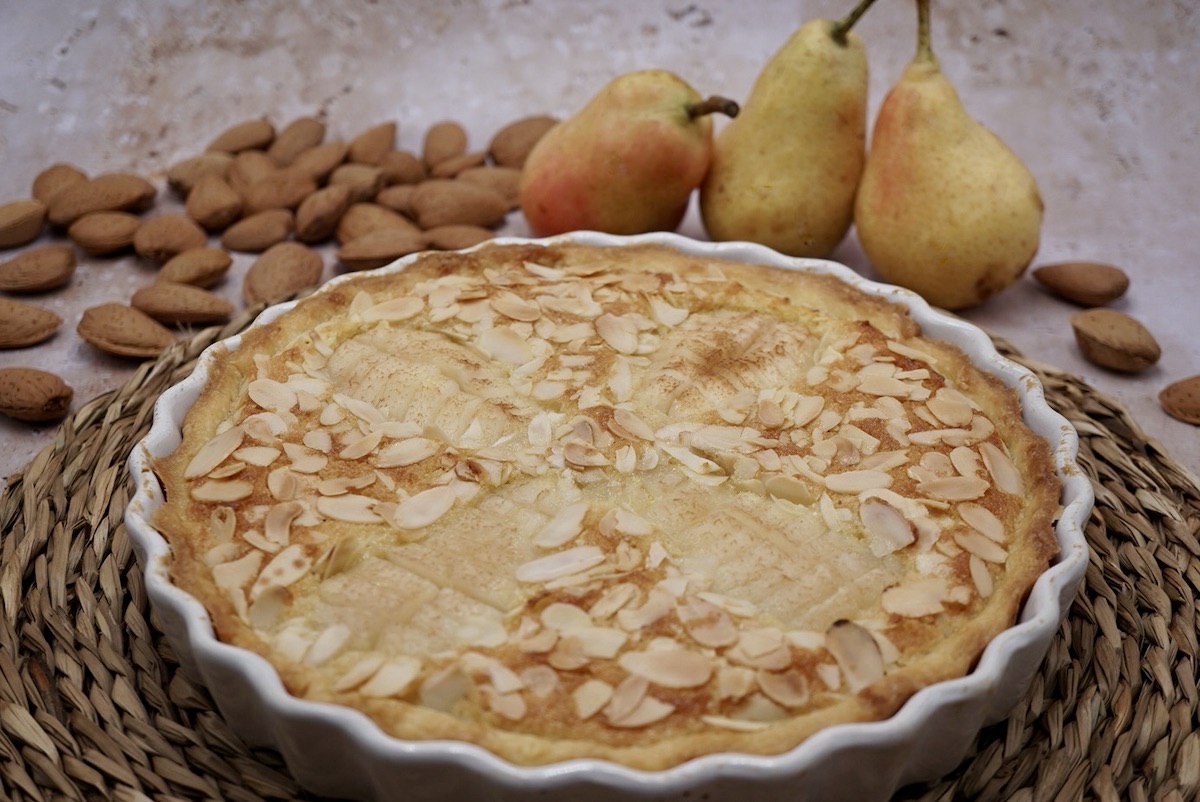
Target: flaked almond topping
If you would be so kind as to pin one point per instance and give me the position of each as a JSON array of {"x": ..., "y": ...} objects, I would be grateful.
[
  {"x": 626, "y": 696},
  {"x": 265, "y": 427},
  {"x": 619, "y": 333},
  {"x": 237, "y": 574},
  {"x": 668, "y": 668},
  {"x": 770, "y": 414},
  {"x": 647, "y": 712},
  {"x": 259, "y": 541},
  {"x": 278, "y": 523},
  {"x": 284, "y": 569},
  {"x": 358, "y": 673},
  {"x": 227, "y": 470},
  {"x": 984, "y": 520},
  {"x": 443, "y": 689},
  {"x": 304, "y": 460},
  {"x": 857, "y": 481},
  {"x": 887, "y": 528},
  {"x": 786, "y": 688},
  {"x": 407, "y": 452},
  {"x": 350, "y": 508},
  {"x": 583, "y": 455},
  {"x": 564, "y": 616},
  {"x": 511, "y": 706},
  {"x": 215, "y": 490},
  {"x": 564, "y": 527},
  {"x": 283, "y": 484},
  {"x": 689, "y": 459},
  {"x": 394, "y": 310},
  {"x": 735, "y": 682},
  {"x": 856, "y": 652},
  {"x": 327, "y": 645},
  {"x": 338, "y": 557},
  {"x": 981, "y": 546},
  {"x": 272, "y": 395},
  {"x": 707, "y": 623},
  {"x": 658, "y": 603},
  {"x": 360, "y": 409},
  {"x": 506, "y": 345},
  {"x": 628, "y": 522},
  {"x": 953, "y": 488},
  {"x": 632, "y": 424},
  {"x": 214, "y": 452},
  {"x": 340, "y": 485},
  {"x": 514, "y": 306},
  {"x": 737, "y": 725},
  {"x": 916, "y": 597},
  {"x": 966, "y": 461},
  {"x": 568, "y": 654},
  {"x": 559, "y": 564},
  {"x": 360, "y": 447},
  {"x": 611, "y": 600},
  {"x": 1001, "y": 468},
  {"x": 980, "y": 576},
  {"x": 393, "y": 678},
  {"x": 259, "y": 456},
  {"x": 951, "y": 410},
  {"x": 590, "y": 697},
  {"x": 666, "y": 314},
  {"x": 422, "y": 509},
  {"x": 788, "y": 488}
]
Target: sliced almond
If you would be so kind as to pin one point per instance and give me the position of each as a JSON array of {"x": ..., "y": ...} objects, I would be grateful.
[{"x": 856, "y": 652}]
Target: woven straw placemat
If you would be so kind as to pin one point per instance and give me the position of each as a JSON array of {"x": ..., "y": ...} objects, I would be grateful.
[{"x": 93, "y": 704}]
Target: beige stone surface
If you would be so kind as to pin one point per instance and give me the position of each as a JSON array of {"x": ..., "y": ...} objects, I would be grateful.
[{"x": 1097, "y": 96}]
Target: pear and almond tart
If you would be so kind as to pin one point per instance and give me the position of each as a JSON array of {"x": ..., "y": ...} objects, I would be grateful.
[{"x": 616, "y": 502}]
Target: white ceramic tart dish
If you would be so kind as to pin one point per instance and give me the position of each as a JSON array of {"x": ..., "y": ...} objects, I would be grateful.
[{"x": 601, "y": 516}]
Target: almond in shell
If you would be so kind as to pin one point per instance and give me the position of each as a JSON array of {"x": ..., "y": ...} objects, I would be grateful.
[
  {"x": 457, "y": 237},
  {"x": 319, "y": 213},
  {"x": 248, "y": 135},
  {"x": 23, "y": 324},
  {"x": 379, "y": 248},
  {"x": 249, "y": 167},
  {"x": 104, "y": 233},
  {"x": 1181, "y": 400},
  {"x": 38, "y": 269},
  {"x": 29, "y": 394},
  {"x": 182, "y": 175},
  {"x": 444, "y": 140},
  {"x": 442, "y": 202},
  {"x": 160, "y": 238},
  {"x": 200, "y": 267},
  {"x": 124, "y": 331},
  {"x": 283, "y": 189},
  {"x": 55, "y": 179},
  {"x": 505, "y": 180},
  {"x": 402, "y": 167},
  {"x": 21, "y": 222},
  {"x": 449, "y": 168},
  {"x": 111, "y": 192},
  {"x": 363, "y": 218},
  {"x": 1083, "y": 283},
  {"x": 1114, "y": 340},
  {"x": 398, "y": 198},
  {"x": 364, "y": 180},
  {"x": 296, "y": 137},
  {"x": 169, "y": 302},
  {"x": 213, "y": 203},
  {"x": 318, "y": 162},
  {"x": 370, "y": 146},
  {"x": 283, "y": 270},
  {"x": 511, "y": 144},
  {"x": 258, "y": 232}
]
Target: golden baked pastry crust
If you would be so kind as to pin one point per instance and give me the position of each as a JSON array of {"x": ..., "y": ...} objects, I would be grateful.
[{"x": 621, "y": 503}]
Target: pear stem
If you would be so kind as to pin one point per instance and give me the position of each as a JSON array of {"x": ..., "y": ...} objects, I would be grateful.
[
  {"x": 924, "y": 38},
  {"x": 842, "y": 27},
  {"x": 712, "y": 105}
]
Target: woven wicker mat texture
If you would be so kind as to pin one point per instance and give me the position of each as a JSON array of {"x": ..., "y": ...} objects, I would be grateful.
[{"x": 93, "y": 704}]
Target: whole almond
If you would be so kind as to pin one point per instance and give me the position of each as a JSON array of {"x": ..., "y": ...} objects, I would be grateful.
[
  {"x": 318, "y": 162},
  {"x": 124, "y": 331},
  {"x": 249, "y": 167},
  {"x": 160, "y": 238},
  {"x": 505, "y": 180},
  {"x": 379, "y": 248},
  {"x": 1181, "y": 400},
  {"x": 213, "y": 203},
  {"x": 441, "y": 202},
  {"x": 169, "y": 302},
  {"x": 111, "y": 192},
  {"x": 449, "y": 168},
  {"x": 284, "y": 189},
  {"x": 1083, "y": 283},
  {"x": 363, "y": 218},
  {"x": 402, "y": 167},
  {"x": 373, "y": 144},
  {"x": 200, "y": 267},
  {"x": 1114, "y": 340},
  {"x": 55, "y": 179},
  {"x": 363, "y": 179},
  {"x": 23, "y": 324},
  {"x": 444, "y": 140},
  {"x": 21, "y": 222},
  {"x": 398, "y": 198},
  {"x": 249, "y": 135},
  {"x": 258, "y": 232},
  {"x": 104, "y": 233},
  {"x": 38, "y": 269},
  {"x": 319, "y": 213},
  {"x": 297, "y": 136},
  {"x": 182, "y": 175},
  {"x": 29, "y": 394},
  {"x": 512, "y": 143},
  {"x": 283, "y": 270},
  {"x": 457, "y": 237}
]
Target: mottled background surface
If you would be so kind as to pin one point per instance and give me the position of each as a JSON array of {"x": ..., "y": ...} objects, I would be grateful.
[{"x": 1097, "y": 96}]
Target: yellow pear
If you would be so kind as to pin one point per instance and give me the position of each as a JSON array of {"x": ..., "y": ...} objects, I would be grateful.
[
  {"x": 944, "y": 208},
  {"x": 785, "y": 171}
]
